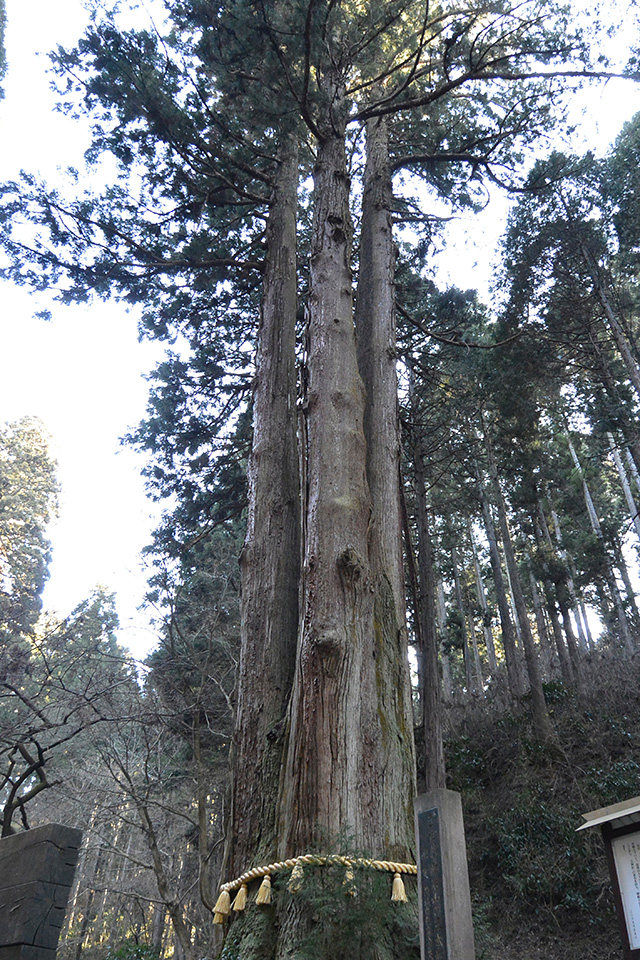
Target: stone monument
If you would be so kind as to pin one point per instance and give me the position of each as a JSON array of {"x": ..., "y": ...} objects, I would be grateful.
[
  {"x": 444, "y": 900},
  {"x": 36, "y": 873}
]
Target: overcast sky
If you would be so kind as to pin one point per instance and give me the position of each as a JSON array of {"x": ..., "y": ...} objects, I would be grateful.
[{"x": 82, "y": 373}]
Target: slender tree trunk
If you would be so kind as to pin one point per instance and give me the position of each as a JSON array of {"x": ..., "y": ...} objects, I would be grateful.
[
  {"x": 543, "y": 635},
  {"x": 175, "y": 907},
  {"x": 577, "y": 606},
  {"x": 632, "y": 467},
  {"x": 506, "y": 623},
  {"x": 542, "y": 723},
  {"x": 430, "y": 682},
  {"x": 566, "y": 669},
  {"x": 585, "y": 624},
  {"x": 562, "y": 592},
  {"x": 447, "y": 682},
  {"x": 615, "y": 403},
  {"x": 157, "y": 926},
  {"x": 628, "y": 586},
  {"x": 610, "y": 575},
  {"x": 626, "y": 486},
  {"x": 431, "y": 686},
  {"x": 91, "y": 882},
  {"x": 477, "y": 663},
  {"x": 615, "y": 326},
  {"x": 482, "y": 602},
  {"x": 470, "y": 678}
]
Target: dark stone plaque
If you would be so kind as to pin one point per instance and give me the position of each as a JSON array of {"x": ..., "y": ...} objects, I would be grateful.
[{"x": 432, "y": 888}]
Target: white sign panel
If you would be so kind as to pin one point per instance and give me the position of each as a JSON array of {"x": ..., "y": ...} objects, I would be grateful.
[{"x": 626, "y": 853}]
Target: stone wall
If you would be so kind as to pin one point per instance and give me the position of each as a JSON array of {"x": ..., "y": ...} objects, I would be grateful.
[{"x": 36, "y": 874}]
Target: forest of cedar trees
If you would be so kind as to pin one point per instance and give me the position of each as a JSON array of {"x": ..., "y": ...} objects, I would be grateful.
[{"x": 399, "y": 546}]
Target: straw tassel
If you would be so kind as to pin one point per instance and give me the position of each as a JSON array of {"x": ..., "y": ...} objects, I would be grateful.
[
  {"x": 295, "y": 880},
  {"x": 223, "y": 905},
  {"x": 398, "y": 893},
  {"x": 264, "y": 893},
  {"x": 349, "y": 883},
  {"x": 240, "y": 901}
]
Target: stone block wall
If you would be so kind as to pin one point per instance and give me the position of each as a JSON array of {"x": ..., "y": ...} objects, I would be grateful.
[{"x": 36, "y": 873}]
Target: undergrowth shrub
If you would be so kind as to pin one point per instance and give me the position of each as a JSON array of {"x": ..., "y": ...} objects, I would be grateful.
[{"x": 534, "y": 880}]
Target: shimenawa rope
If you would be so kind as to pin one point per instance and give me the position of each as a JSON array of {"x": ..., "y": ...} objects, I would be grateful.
[{"x": 223, "y": 905}]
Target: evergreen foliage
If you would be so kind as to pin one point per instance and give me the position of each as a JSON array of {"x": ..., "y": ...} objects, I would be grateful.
[{"x": 516, "y": 419}]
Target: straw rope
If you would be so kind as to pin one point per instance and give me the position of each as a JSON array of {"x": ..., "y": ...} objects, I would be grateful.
[{"x": 387, "y": 866}]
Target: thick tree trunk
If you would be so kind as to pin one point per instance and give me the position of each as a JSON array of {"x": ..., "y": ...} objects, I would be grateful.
[
  {"x": 350, "y": 764},
  {"x": 376, "y": 352},
  {"x": 375, "y": 322},
  {"x": 270, "y": 562},
  {"x": 335, "y": 758}
]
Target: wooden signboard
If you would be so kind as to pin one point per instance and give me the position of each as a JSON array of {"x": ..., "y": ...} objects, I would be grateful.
[
  {"x": 620, "y": 826},
  {"x": 626, "y": 857}
]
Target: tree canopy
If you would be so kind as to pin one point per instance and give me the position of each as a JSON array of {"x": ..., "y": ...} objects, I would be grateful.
[
  {"x": 28, "y": 501},
  {"x": 280, "y": 171}
]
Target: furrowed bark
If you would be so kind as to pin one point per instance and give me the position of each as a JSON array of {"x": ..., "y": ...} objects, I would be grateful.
[
  {"x": 375, "y": 320},
  {"x": 343, "y": 732},
  {"x": 270, "y": 562}
]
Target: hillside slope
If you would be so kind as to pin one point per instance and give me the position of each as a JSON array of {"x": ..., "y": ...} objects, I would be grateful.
[{"x": 539, "y": 889}]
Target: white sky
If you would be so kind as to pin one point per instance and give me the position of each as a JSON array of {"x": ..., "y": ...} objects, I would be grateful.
[{"x": 82, "y": 374}]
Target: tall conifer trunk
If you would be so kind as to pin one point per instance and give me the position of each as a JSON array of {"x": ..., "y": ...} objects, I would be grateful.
[
  {"x": 542, "y": 722},
  {"x": 431, "y": 688},
  {"x": 270, "y": 562},
  {"x": 324, "y": 732},
  {"x": 350, "y": 761},
  {"x": 514, "y": 676},
  {"x": 375, "y": 321}
]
